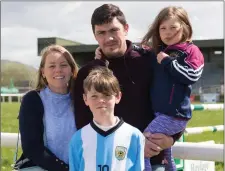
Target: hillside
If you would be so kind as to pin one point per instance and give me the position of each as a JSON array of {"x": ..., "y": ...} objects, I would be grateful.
[{"x": 22, "y": 75}]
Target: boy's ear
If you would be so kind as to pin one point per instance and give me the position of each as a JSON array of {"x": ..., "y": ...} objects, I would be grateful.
[
  {"x": 118, "y": 97},
  {"x": 85, "y": 99}
]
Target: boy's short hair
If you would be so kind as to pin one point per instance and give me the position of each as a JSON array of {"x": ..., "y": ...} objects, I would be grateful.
[{"x": 103, "y": 81}]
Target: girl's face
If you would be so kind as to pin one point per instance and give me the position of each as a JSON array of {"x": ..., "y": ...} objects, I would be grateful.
[{"x": 170, "y": 31}]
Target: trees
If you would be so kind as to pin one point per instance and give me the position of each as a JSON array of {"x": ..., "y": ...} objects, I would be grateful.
[{"x": 21, "y": 74}]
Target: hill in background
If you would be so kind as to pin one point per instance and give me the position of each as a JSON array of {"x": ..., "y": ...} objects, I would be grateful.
[{"x": 22, "y": 75}]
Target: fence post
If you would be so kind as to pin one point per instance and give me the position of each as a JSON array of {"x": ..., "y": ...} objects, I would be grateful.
[{"x": 180, "y": 162}]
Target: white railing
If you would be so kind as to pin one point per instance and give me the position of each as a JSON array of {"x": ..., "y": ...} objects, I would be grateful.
[
  {"x": 199, "y": 130},
  {"x": 198, "y": 151},
  {"x": 19, "y": 96},
  {"x": 9, "y": 139},
  {"x": 218, "y": 106},
  {"x": 12, "y": 95},
  {"x": 181, "y": 150}
]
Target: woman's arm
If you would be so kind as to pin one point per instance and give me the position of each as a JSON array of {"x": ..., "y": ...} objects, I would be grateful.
[{"x": 31, "y": 130}]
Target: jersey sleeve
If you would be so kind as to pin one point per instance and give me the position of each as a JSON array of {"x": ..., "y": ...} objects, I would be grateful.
[
  {"x": 185, "y": 70},
  {"x": 74, "y": 155},
  {"x": 139, "y": 164}
]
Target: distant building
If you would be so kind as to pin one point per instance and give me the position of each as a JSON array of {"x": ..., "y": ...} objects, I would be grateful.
[{"x": 213, "y": 51}]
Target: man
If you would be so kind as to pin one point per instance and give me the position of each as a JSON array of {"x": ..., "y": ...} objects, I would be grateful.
[{"x": 133, "y": 71}]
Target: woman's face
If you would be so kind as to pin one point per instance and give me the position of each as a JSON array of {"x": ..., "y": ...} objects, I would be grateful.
[{"x": 57, "y": 72}]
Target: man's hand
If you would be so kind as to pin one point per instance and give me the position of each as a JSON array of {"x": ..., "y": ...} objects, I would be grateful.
[
  {"x": 161, "y": 140},
  {"x": 161, "y": 56},
  {"x": 154, "y": 143},
  {"x": 151, "y": 149}
]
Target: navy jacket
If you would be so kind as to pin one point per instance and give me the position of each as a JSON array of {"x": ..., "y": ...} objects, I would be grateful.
[
  {"x": 31, "y": 131},
  {"x": 171, "y": 86}
]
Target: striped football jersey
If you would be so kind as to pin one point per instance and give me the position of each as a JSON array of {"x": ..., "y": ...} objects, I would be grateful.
[{"x": 121, "y": 148}]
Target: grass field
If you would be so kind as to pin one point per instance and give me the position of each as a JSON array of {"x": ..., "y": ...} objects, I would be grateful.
[{"x": 9, "y": 123}]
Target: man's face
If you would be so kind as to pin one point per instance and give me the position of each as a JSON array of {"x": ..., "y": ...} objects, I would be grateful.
[{"x": 111, "y": 38}]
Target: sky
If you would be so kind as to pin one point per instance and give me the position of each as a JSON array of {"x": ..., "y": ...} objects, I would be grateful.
[{"x": 23, "y": 22}]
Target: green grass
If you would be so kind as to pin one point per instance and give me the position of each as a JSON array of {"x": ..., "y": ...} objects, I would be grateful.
[
  {"x": 9, "y": 113},
  {"x": 206, "y": 118},
  {"x": 9, "y": 123}
]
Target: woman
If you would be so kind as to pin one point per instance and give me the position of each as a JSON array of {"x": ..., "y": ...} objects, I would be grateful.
[{"x": 46, "y": 117}]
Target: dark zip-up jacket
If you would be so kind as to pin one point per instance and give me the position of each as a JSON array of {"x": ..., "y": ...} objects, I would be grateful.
[
  {"x": 171, "y": 86},
  {"x": 134, "y": 74}
]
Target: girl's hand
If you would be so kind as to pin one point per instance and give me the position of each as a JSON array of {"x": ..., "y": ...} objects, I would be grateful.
[
  {"x": 161, "y": 56},
  {"x": 98, "y": 53}
]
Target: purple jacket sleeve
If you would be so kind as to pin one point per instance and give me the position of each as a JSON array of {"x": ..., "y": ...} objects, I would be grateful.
[{"x": 185, "y": 70}]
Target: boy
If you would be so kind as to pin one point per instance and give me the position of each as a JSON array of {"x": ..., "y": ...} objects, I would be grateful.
[{"x": 107, "y": 143}]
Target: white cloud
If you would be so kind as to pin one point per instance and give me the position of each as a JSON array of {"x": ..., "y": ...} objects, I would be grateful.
[
  {"x": 24, "y": 22},
  {"x": 195, "y": 18},
  {"x": 70, "y": 7},
  {"x": 20, "y": 44},
  {"x": 134, "y": 34}
]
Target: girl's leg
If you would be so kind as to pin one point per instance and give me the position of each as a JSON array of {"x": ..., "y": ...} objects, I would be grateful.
[
  {"x": 170, "y": 165},
  {"x": 148, "y": 164}
]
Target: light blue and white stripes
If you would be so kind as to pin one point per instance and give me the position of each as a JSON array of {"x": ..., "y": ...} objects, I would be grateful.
[{"x": 122, "y": 149}]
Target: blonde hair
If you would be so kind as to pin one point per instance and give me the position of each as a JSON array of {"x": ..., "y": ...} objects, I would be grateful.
[
  {"x": 152, "y": 37},
  {"x": 103, "y": 81},
  {"x": 41, "y": 81}
]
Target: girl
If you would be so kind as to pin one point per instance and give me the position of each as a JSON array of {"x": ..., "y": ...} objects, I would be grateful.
[{"x": 179, "y": 64}]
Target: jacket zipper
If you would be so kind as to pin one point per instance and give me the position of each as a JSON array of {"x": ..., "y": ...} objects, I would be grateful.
[{"x": 171, "y": 94}]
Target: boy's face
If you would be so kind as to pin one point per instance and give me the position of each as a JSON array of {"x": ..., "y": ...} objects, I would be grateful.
[
  {"x": 99, "y": 103},
  {"x": 111, "y": 38}
]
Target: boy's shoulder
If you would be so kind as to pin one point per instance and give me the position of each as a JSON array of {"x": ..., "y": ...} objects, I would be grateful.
[
  {"x": 133, "y": 130},
  {"x": 77, "y": 135}
]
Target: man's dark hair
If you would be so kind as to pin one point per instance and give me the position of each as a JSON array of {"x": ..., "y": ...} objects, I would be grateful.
[{"x": 105, "y": 14}]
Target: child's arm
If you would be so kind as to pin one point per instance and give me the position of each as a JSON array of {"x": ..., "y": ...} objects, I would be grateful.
[
  {"x": 139, "y": 164},
  {"x": 185, "y": 70},
  {"x": 162, "y": 124},
  {"x": 146, "y": 51},
  {"x": 98, "y": 53}
]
